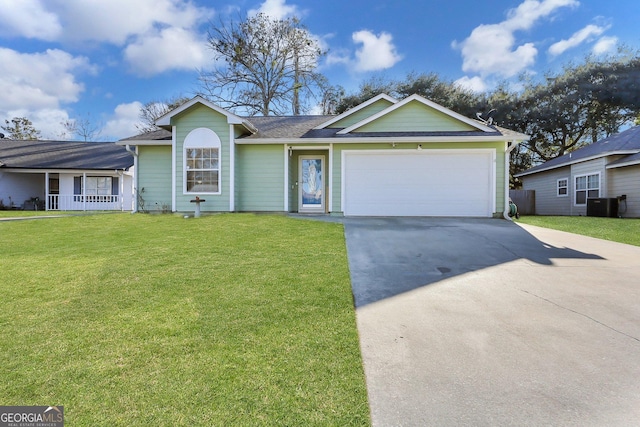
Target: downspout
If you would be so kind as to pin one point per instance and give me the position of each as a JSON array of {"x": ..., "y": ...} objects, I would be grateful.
[
  {"x": 135, "y": 177},
  {"x": 507, "y": 156}
]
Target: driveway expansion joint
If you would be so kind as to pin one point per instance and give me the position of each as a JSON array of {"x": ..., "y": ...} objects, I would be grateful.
[{"x": 580, "y": 314}]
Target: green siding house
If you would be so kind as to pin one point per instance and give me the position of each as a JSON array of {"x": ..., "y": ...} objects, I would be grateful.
[{"x": 384, "y": 157}]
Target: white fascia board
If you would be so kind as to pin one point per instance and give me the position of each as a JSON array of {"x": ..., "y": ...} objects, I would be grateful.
[
  {"x": 64, "y": 171},
  {"x": 165, "y": 120},
  {"x": 573, "y": 162},
  {"x": 356, "y": 109},
  {"x": 134, "y": 142},
  {"x": 373, "y": 140},
  {"x": 424, "y": 101},
  {"x": 624, "y": 164},
  {"x": 518, "y": 175}
]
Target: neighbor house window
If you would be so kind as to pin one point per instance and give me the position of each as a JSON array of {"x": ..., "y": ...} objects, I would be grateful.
[
  {"x": 587, "y": 187},
  {"x": 202, "y": 162},
  {"x": 563, "y": 187},
  {"x": 99, "y": 188}
]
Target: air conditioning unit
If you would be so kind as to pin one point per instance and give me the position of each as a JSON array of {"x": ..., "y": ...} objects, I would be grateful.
[{"x": 604, "y": 207}]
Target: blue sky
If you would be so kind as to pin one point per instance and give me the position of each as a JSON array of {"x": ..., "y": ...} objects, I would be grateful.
[{"x": 102, "y": 59}]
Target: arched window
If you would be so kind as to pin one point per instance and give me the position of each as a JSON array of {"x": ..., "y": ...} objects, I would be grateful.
[{"x": 202, "y": 162}]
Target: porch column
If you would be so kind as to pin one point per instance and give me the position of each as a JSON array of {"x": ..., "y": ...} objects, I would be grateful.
[
  {"x": 232, "y": 169},
  {"x": 84, "y": 191},
  {"x": 46, "y": 191},
  {"x": 287, "y": 153},
  {"x": 121, "y": 195}
]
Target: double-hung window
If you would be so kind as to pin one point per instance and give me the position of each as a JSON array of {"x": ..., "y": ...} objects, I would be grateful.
[
  {"x": 587, "y": 187},
  {"x": 202, "y": 162},
  {"x": 563, "y": 187},
  {"x": 98, "y": 188}
]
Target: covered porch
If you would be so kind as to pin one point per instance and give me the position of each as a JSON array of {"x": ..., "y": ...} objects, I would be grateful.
[
  {"x": 68, "y": 191},
  {"x": 88, "y": 192}
]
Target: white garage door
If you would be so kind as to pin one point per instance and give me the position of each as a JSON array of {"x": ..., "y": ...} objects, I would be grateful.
[{"x": 418, "y": 183}]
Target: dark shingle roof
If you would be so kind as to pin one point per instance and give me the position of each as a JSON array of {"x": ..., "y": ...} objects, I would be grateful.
[
  {"x": 632, "y": 159},
  {"x": 156, "y": 135},
  {"x": 294, "y": 127},
  {"x": 627, "y": 142},
  {"x": 285, "y": 126},
  {"x": 63, "y": 155}
]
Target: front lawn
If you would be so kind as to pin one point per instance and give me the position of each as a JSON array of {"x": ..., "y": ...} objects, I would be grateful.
[
  {"x": 622, "y": 230},
  {"x": 21, "y": 214},
  {"x": 139, "y": 320}
]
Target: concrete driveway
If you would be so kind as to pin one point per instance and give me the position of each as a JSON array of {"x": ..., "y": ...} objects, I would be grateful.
[{"x": 484, "y": 322}]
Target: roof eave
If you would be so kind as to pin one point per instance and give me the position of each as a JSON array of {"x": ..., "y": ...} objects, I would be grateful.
[
  {"x": 66, "y": 170},
  {"x": 356, "y": 109},
  {"x": 135, "y": 142},
  {"x": 373, "y": 140},
  {"x": 573, "y": 162},
  {"x": 165, "y": 120},
  {"x": 417, "y": 98}
]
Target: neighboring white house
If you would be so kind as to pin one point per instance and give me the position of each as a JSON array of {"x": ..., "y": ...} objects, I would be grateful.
[
  {"x": 607, "y": 169},
  {"x": 65, "y": 176}
]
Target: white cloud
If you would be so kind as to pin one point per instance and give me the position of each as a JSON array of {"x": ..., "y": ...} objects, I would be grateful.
[
  {"x": 579, "y": 37},
  {"x": 123, "y": 122},
  {"x": 33, "y": 85},
  {"x": 605, "y": 45},
  {"x": 338, "y": 56},
  {"x": 39, "y": 80},
  {"x": 376, "y": 52},
  {"x": 474, "y": 84},
  {"x": 276, "y": 9},
  {"x": 525, "y": 16},
  {"x": 88, "y": 20},
  {"x": 47, "y": 120},
  {"x": 28, "y": 18},
  {"x": 156, "y": 24},
  {"x": 492, "y": 49},
  {"x": 171, "y": 48}
]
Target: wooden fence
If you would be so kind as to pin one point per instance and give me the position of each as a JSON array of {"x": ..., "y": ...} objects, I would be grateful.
[{"x": 525, "y": 200}]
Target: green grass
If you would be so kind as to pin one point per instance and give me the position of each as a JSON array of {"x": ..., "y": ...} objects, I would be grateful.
[
  {"x": 20, "y": 214},
  {"x": 26, "y": 214},
  {"x": 615, "y": 229},
  {"x": 138, "y": 320}
]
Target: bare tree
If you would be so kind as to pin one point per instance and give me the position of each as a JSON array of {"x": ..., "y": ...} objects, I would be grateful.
[
  {"x": 153, "y": 110},
  {"x": 83, "y": 128},
  {"x": 263, "y": 66}
]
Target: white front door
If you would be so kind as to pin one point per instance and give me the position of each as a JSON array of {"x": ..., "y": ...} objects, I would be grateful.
[{"x": 311, "y": 197}]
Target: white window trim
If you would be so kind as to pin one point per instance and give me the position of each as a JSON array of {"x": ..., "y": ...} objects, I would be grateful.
[
  {"x": 201, "y": 138},
  {"x": 558, "y": 187},
  {"x": 575, "y": 188}
]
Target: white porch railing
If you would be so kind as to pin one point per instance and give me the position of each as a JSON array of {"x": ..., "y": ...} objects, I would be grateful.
[{"x": 59, "y": 202}]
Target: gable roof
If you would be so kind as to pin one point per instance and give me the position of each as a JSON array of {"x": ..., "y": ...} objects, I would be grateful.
[
  {"x": 324, "y": 129},
  {"x": 623, "y": 143},
  {"x": 165, "y": 120},
  {"x": 63, "y": 155},
  {"x": 357, "y": 108},
  {"x": 417, "y": 98}
]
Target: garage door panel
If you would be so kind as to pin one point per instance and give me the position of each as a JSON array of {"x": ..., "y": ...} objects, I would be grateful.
[{"x": 418, "y": 184}]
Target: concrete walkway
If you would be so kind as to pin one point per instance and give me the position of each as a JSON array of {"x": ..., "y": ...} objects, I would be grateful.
[{"x": 485, "y": 323}]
